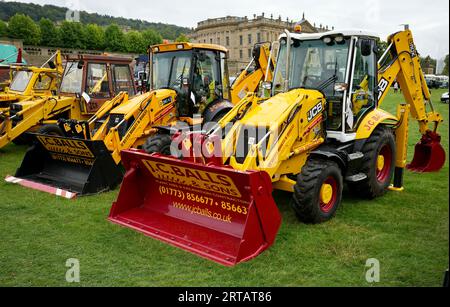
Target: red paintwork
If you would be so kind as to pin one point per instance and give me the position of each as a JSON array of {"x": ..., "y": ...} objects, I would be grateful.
[
  {"x": 143, "y": 206},
  {"x": 429, "y": 155},
  {"x": 385, "y": 173}
]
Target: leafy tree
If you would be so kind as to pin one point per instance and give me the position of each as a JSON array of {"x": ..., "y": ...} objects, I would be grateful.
[
  {"x": 49, "y": 33},
  {"x": 72, "y": 35},
  {"x": 151, "y": 37},
  {"x": 114, "y": 38},
  {"x": 94, "y": 37},
  {"x": 182, "y": 38},
  {"x": 445, "y": 71},
  {"x": 135, "y": 43},
  {"x": 58, "y": 14},
  {"x": 3, "y": 29},
  {"x": 23, "y": 27}
]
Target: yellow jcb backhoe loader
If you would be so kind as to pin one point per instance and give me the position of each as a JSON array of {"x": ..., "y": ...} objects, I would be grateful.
[
  {"x": 88, "y": 81},
  {"x": 322, "y": 127},
  {"x": 187, "y": 79},
  {"x": 30, "y": 82}
]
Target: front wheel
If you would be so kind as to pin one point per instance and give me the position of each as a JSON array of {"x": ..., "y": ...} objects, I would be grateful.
[
  {"x": 318, "y": 192},
  {"x": 159, "y": 143},
  {"x": 378, "y": 164}
]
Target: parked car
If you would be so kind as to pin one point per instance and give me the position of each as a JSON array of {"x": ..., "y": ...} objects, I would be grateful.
[{"x": 444, "y": 98}]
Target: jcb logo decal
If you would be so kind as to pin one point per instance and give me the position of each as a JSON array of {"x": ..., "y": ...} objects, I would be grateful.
[
  {"x": 315, "y": 111},
  {"x": 382, "y": 87},
  {"x": 65, "y": 146}
]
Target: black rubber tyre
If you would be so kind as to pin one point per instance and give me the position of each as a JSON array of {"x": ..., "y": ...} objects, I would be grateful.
[
  {"x": 307, "y": 200},
  {"x": 51, "y": 130},
  {"x": 159, "y": 143},
  {"x": 380, "y": 143},
  {"x": 23, "y": 139}
]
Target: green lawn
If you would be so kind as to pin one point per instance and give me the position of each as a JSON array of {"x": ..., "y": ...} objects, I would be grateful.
[{"x": 407, "y": 232}]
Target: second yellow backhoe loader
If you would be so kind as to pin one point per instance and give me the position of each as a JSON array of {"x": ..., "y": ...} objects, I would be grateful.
[
  {"x": 29, "y": 83},
  {"x": 87, "y": 82},
  {"x": 323, "y": 126},
  {"x": 186, "y": 78}
]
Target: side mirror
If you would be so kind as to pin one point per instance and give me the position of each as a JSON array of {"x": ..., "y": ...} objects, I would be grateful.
[
  {"x": 52, "y": 65},
  {"x": 366, "y": 47},
  {"x": 80, "y": 64}
]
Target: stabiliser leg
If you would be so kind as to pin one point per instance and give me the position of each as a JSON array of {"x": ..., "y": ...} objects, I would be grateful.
[{"x": 401, "y": 140}]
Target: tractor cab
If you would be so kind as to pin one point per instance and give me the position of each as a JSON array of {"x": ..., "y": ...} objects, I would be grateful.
[
  {"x": 342, "y": 65},
  {"x": 197, "y": 73}
]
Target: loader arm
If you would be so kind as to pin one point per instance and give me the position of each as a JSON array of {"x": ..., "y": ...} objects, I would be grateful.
[
  {"x": 406, "y": 69},
  {"x": 248, "y": 82},
  {"x": 34, "y": 112}
]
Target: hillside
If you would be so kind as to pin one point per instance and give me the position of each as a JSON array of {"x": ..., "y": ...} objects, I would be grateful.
[{"x": 57, "y": 14}]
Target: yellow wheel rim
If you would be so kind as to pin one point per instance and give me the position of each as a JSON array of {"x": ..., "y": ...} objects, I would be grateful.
[
  {"x": 380, "y": 163},
  {"x": 326, "y": 193}
]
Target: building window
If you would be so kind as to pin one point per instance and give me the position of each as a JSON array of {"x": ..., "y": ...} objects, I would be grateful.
[
  {"x": 241, "y": 40},
  {"x": 259, "y": 37},
  {"x": 210, "y": 40},
  {"x": 241, "y": 54},
  {"x": 218, "y": 40},
  {"x": 249, "y": 38},
  {"x": 228, "y": 41},
  {"x": 250, "y": 53}
]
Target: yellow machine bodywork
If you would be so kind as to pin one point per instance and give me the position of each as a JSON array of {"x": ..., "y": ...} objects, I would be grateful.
[{"x": 146, "y": 109}]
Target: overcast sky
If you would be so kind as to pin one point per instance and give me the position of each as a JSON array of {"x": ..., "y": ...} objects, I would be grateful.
[{"x": 429, "y": 19}]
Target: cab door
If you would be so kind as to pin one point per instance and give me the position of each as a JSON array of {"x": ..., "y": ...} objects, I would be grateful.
[{"x": 362, "y": 96}]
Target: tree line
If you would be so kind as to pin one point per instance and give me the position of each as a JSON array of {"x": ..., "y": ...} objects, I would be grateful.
[
  {"x": 77, "y": 35},
  {"x": 57, "y": 14}
]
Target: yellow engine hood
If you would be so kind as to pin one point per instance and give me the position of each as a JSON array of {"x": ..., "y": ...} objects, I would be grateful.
[{"x": 274, "y": 108}]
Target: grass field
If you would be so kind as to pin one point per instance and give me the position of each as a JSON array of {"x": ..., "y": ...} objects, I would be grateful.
[{"x": 407, "y": 232}]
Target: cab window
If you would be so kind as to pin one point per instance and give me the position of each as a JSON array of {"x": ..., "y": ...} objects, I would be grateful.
[
  {"x": 97, "y": 83},
  {"x": 207, "y": 86},
  {"x": 122, "y": 79},
  {"x": 43, "y": 83}
]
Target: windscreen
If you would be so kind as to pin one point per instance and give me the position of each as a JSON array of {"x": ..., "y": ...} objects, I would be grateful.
[
  {"x": 72, "y": 79},
  {"x": 21, "y": 80},
  {"x": 170, "y": 68},
  {"x": 314, "y": 64}
]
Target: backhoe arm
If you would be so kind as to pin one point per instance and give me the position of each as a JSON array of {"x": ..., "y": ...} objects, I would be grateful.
[{"x": 248, "y": 82}]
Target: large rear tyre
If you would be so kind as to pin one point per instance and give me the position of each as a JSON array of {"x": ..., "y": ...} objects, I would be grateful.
[
  {"x": 318, "y": 192},
  {"x": 53, "y": 130},
  {"x": 23, "y": 139},
  {"x": 159, "y": 143},
  {"x": 378, "y": 164}
]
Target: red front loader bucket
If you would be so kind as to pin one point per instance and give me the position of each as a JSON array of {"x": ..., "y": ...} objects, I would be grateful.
[
  {"x": 215, "y": 212},
  {"x": 429, "y": 156}
]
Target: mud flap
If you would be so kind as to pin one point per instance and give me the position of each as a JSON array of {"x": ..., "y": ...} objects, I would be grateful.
[
  {"x": 215, "y": 212},
  {"x": 429, "y": 155},
  {"x": 75, "y": 166}
]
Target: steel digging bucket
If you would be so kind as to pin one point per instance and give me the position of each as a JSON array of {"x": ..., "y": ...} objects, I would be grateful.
[
  {"x": 68, "y": 167},
  {"x": 429, "y": 155},
  {"x": 215, "y": 212}
]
